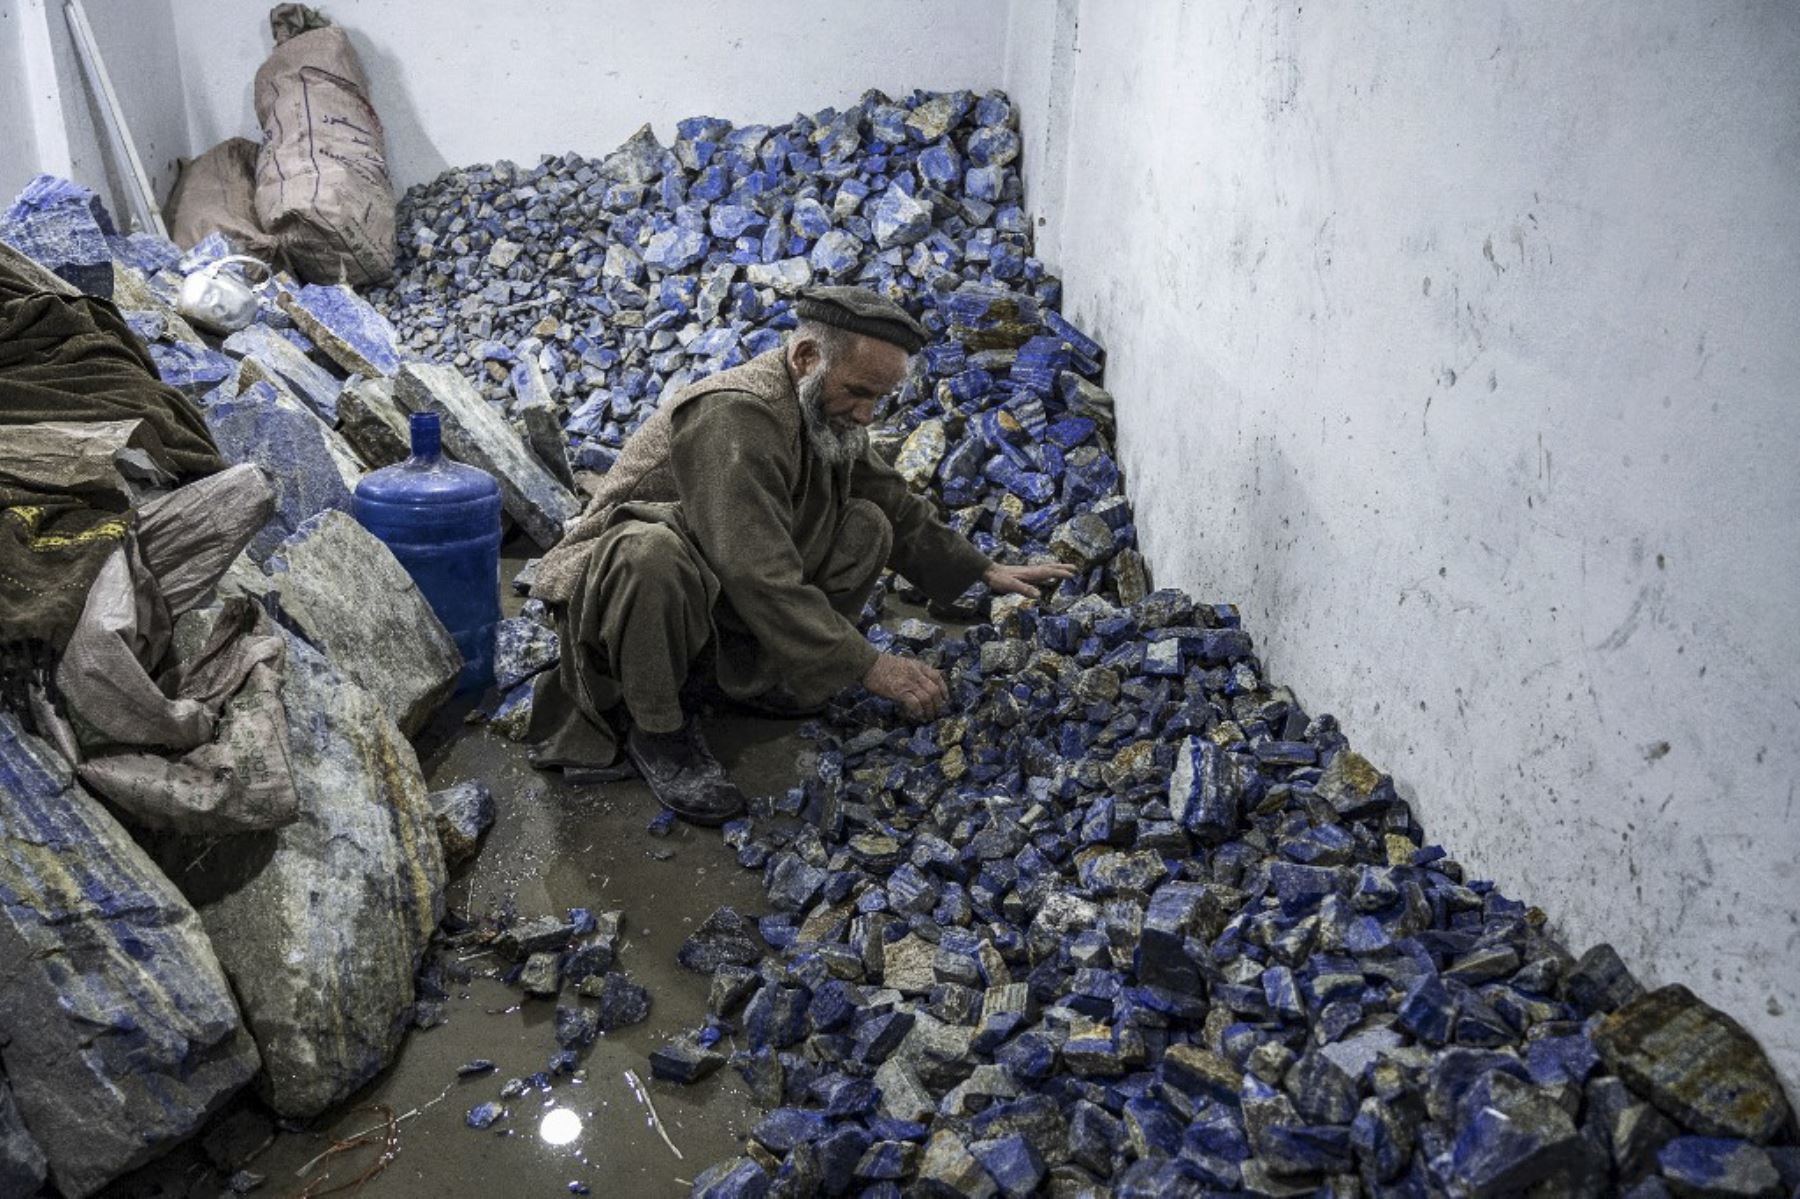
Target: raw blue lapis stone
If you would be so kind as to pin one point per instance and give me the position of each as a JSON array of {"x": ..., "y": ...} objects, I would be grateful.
[
  {"x": 1204, "y": 792},
  {"x": 1305, "y": 1148},
  {"x": 993, "y": 109},
  {"x": 810, "y": 218},
  {"x": 1516, "y": 1139},
  {"x": 1718, "y": 1166},
  {"x": 64, "y": 227},
  {"x": 1012, "y": 1162},
  {"x": 731, "y": 221},
  {"x": 740, "y": 1178},
  {"x": 838, "y": 1155},
  {"x": 900, "y": 219},
  {"x": 347, "y": 327},
  {"x": 1282, "y": 993},
  {"x": 1555, "y": 1060},
  {"x": 984, "y": 183},
  {"x": 675, "y": 248},
  {"x": 786, "y": 1127},
  {"x": 1095, "y": 1136},
  {"x": 195, "y": 370},
  {"x": 837, "y": 253},
  {"x": 941, "y": 165}
]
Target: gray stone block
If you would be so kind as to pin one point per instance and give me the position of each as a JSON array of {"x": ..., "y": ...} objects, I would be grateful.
[
  {"x": 372, "y": 422},
  {"x": 344, "y": 327},
  {"x": 22, "y": 1164},
  {"x": 321, "y": 924},
  {"x": 463, "y": 813},
  {"x": 348, "y": 595},
  {"x": 312, "y": 383}
]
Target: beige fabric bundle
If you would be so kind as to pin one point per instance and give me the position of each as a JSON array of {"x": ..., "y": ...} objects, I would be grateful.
[{"x": 322, "y": 188}]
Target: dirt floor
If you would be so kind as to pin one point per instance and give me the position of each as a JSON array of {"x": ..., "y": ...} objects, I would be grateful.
[{"x": 552, "y": 847}]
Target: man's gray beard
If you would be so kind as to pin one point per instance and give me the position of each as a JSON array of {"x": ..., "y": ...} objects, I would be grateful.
[{"x": 837, "y": 449}]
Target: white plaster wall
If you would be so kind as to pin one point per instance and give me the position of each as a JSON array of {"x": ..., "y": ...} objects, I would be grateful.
[
  {"x": 18, "y": 134},
  {"x": 137, "y": 42},
  {"x": 1042, "y": 39},
  {"x": 465, "y": 81},
  {"x": 52, "y": 116},
  {"x": 1458, "y": 344}
]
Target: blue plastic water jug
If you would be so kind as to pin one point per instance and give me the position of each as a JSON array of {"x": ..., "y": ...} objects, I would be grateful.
[{"x": 442, "y": 521}]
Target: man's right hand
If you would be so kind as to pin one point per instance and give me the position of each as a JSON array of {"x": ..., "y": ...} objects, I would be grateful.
[{"x": 916, "y": 687}]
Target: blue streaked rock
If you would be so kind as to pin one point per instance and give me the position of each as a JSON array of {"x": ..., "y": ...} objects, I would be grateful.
[
  {"x": 315, "y": 386},
  {"x": 63, "y": 226},
  {"x": 1717, "y": 1167},
  {"x": 522, "y": 648},
  {"x": 295, "y": 449},
  {"x": 322, "y": 939},
  {"x": 119, "y": 1033},
  {"x": 345, "y": 327}
]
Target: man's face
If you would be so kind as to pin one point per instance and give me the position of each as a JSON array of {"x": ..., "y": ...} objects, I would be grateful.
[{"x": 852, "y": 389}]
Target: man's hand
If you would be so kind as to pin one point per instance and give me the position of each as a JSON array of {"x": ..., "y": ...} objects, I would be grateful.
[
  {"x": 910, "y": 683},
  {"x": 1025, "y": 580}
]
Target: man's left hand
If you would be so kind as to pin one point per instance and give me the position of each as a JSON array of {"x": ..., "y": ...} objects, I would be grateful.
[{"x": 1025, "y": 580}]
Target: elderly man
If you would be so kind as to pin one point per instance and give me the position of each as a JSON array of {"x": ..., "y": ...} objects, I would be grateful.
[{"x": 741, "y": 531}]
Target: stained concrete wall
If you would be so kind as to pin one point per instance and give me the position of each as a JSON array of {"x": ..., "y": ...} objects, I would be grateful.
[
  {"x": 467, "y": 81},
  {"x": 1458, "y": 345}
]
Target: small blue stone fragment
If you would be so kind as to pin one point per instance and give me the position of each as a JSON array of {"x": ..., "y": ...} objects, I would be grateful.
[{"x": 1718, "y": 1166}]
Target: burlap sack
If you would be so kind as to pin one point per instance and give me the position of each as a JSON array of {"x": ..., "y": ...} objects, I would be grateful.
[
  {"x": 239, "y": 781},
  {"x": 109, "y": 672},
  {"x": 322, "y": 187},
  {"x": 216, "y": 193}
]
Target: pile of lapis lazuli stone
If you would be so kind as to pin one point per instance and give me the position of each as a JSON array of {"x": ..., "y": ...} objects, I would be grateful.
[
  {"x": 1127, "y": 920},
  {"x": 602, "y": 286}
]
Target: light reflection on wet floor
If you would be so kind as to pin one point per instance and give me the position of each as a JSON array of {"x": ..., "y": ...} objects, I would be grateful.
[{"x": 554, "y": 847}]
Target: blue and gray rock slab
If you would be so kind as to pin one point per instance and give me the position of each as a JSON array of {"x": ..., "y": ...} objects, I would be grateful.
[
  {"x": 725, "y": 938},
  {"x": 740, "y": 1178},
  {"x": 119, "y": 1033},
  {"x": 345, "y": 328},
  {"x": 475, "y": 433},
  {"x": 63, "y": 227},
  {"x": 373, "y": 423},
  {"x": 293, "y": 446},
  {"x": 1696, "y": 1064},
  {"x": 344, "y": 591},
  {"x": 321, "y": 925},
  {"x": 522, "y": 648},
  {"x": 1718, "y": 1168},
  {"x": 317, "y": 387},
  {"x": 685, "y": 1060},
  {"x": 463, "y": 811},
  {"x": 622, "y": 1002}
]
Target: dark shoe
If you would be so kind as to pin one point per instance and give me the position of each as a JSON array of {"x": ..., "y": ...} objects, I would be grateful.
[
  {"x": 581, "y": 774},
  {"x": 684, "y": 776}
]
